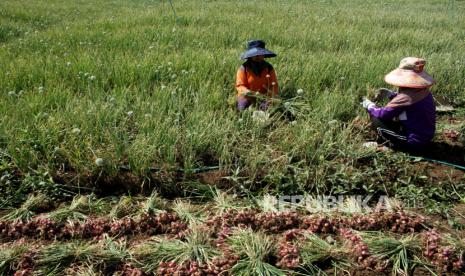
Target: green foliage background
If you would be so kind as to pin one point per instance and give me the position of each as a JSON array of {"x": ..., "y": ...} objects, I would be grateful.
[{"x": 126, "y": 82}]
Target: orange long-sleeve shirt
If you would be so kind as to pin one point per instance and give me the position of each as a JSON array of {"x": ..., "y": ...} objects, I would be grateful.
[{"x": 266, "y": 83}]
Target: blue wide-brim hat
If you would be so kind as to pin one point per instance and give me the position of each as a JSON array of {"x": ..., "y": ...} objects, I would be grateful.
[{"x": 256, "y": 48}]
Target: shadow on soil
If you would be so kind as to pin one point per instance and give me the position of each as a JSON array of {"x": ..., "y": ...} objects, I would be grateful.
[{"x": 444, "y": 152}]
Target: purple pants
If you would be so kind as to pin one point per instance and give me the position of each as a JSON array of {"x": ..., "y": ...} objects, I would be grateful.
[{"x": 244, "y": 102}]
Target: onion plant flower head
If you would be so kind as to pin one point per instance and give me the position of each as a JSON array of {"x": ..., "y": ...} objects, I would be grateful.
[
  {"x": 99, "y": 162},
  {"x": 76, "y": 130},
  {"x": 333, "y": 122}
]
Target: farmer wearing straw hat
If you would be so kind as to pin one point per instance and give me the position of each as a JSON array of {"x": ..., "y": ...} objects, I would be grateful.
[
  {"x": 255, "y": 77},
  {"x": 408, "y": 121}
]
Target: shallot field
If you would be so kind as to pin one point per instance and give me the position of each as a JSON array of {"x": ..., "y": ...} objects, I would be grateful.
[{"x": 122, "y": 151}]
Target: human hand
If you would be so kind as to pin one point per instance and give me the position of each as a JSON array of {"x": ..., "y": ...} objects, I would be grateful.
[
  {"x": 366, "y": 103},
  {"x": 248, "y": 93},
  {"x": 245, "y": 93}
]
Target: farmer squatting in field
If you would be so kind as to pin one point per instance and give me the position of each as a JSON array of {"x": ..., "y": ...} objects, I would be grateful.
[
  {"x": 408, "y": 121},
  {"x": 255, "y": 76}
]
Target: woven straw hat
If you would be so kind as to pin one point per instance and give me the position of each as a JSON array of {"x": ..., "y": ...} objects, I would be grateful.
[{"x": 410, "y": 74}]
